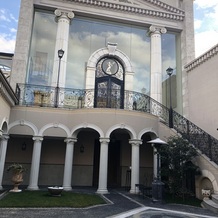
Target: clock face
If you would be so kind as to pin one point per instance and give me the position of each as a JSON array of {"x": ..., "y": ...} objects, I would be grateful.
[{"x": 110, "y": 66}]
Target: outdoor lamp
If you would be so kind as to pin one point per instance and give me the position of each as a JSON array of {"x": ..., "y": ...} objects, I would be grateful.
[{"x": 60, "y": 53}]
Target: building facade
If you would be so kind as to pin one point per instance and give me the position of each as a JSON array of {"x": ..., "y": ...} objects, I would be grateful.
[
  {"x": 92, "y": 86},
  {"x": 202, "y": 94}
]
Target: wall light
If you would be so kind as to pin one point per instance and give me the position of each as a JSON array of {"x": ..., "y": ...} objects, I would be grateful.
[
  {"x": 23, "y": 147},
  {"x": 82, "y": 148}
]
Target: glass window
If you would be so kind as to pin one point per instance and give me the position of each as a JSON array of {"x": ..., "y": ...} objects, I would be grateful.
[
  {"x": 89, "y": 35},
  {"x": 169, "y": 60},
  {"x": 41, "y": 56},
  {"x": 86, "y": 35}
]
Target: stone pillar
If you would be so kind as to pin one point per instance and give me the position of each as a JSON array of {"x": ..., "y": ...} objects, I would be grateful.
[
  {"x": 34, "y": 171},
  {"x": 156, "y": 62},
  {"x": 102, "y": 184},
  {"x": 155, "y": 163},
  {"x": 63, "y": 19},
  {"x": 68, "y": 163},
  {"x": 3, "y": 149},
  {"x": 135, "y": 164}
]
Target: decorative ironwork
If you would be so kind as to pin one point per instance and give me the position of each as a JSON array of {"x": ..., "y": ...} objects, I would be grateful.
[
  {"x": 109, "y": 84},
  {"x": 43, "y": 96},
  {"x": 206, "y": 143}
]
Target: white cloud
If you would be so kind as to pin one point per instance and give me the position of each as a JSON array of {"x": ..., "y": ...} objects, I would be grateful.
[
  {"x": 6, "y": 45},
  {"x": 206, "y": 25},
  {"x": 13, "y": 30},
  {"x": 197, "y": 24},
  {"x": 205, "y": 4},
  {"x": 13, "y": 18},
  {"x": 211, "y": 39},
  {"x": 3, "y": 18}
]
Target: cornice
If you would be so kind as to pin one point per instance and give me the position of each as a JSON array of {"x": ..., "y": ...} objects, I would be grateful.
[
  {"x": 6, "y": 91},
  {"x": 166, "y": 6},
  {"x": 201, "y": 59},
  {"x": 169, "y": 12}
]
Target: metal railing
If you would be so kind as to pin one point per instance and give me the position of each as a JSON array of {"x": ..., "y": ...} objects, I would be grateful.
[
  {"x": 44, "y": 96},
  {"x": 203, "y": 141}
]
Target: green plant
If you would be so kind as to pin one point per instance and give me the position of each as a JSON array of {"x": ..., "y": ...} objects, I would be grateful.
[
  {"x": 177, "y": 166},
  {"x": 16, "y": 168}
]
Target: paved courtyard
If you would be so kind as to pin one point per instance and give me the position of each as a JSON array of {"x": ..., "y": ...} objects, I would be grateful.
[{"x": 119, "y": 205}]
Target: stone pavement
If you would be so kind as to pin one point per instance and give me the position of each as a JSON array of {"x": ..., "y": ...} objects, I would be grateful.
[{"x": 120, "y": 204}]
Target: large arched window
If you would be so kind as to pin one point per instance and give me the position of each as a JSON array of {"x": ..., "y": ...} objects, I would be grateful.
[{"x": 109, "y": 84}]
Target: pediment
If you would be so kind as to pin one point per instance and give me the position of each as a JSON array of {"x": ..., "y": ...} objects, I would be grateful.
[{"x": 153, "y": 8}]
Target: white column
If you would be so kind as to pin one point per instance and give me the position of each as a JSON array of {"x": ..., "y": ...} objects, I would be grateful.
[
  {"x": 3, "y": 149},
  {"x": 68, "y": 163},
  {"x": 34, "y": 171},
  {"x": 102, "y": 183},
  {"x": 63, "y": 18},
  {"x": 135, "y": 164},
  {"x": 156, "y": 62},
  {"x": 155, "y": 163}
]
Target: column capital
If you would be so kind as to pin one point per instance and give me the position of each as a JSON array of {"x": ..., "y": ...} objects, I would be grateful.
[
  {"x": 135, "y": 141},
  {"x": 4, "y": 137},
  {"x": 64, "y": 14},
  {"x": 157, "y": 30},
  {"x": 69, "y": 140},
  {"x": 104, "y": 140},
  {"x": 37, "y": 138}
]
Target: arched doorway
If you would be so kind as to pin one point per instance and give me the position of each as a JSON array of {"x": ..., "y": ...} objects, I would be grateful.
[
  {"x": 109, "y": 83},
  {"x": 119, "y": 158}
]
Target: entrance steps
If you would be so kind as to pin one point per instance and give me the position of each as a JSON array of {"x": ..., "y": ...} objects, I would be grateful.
[{"x": 211, "y": 204}]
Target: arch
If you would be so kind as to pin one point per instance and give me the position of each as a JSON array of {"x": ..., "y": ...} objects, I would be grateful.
[
  {"x": 100, "y": 53},
  {"x": 54, "y": 125},
  {"x": 211, "y": 177},
  {"x": 77, "y": 128},
  {"x": 129, "y": 129},
  {"x": 24, "y": 123},
  {"x": 4, "y": 126},
  {"x": 147, "y": 130}
]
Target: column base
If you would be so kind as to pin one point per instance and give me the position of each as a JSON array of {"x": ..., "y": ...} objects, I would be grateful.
[
  {"x": 134, "y": 191},
  {"x": 33, "y": 188},
  {"x": 102, "y": 191},
  {"x": 67, "y": 188}
]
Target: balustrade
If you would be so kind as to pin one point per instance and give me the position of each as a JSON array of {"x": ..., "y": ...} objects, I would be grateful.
[{"x": 44, "y": 96}]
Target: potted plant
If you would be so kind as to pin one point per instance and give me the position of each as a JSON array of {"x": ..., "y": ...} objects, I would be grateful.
[{"x": 17, "y": 175}]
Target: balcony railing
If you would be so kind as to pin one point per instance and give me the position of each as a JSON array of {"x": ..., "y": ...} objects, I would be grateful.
[{"x": 46, "y": 96}]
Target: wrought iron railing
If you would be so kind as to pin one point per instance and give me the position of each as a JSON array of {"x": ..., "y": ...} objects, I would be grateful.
[
  {"x": 45, "y": 96},
  {"x": 206, "y": 143}
]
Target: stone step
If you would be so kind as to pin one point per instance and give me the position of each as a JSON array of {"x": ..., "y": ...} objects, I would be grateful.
[
  {"x": 210, "y": 205},
  {"x": 215, "y": 198}
]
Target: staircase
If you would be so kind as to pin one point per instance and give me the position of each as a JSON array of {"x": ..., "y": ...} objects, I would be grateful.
[
  {"x": 211, "y": 204},
  {"x": 207, "y": 160}
]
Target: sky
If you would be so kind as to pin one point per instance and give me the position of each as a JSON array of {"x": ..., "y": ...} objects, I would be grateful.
[{"x": 205, "y": 22}]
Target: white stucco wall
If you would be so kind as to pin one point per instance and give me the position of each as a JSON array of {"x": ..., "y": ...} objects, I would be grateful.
[{"x": 202, "y": 95}]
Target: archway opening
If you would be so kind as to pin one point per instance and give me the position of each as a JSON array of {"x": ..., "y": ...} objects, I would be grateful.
[
  {"x": 119, "y": 158},
  {"x": 86, "y": 158},
  {"x": 146, "y": 160}
]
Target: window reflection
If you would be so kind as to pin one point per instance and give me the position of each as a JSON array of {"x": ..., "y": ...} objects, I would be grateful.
[
  {"x": 89, "y": 35},
  {"x": 85, "y": 37},
  {"x": 42, "y": 49}
]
